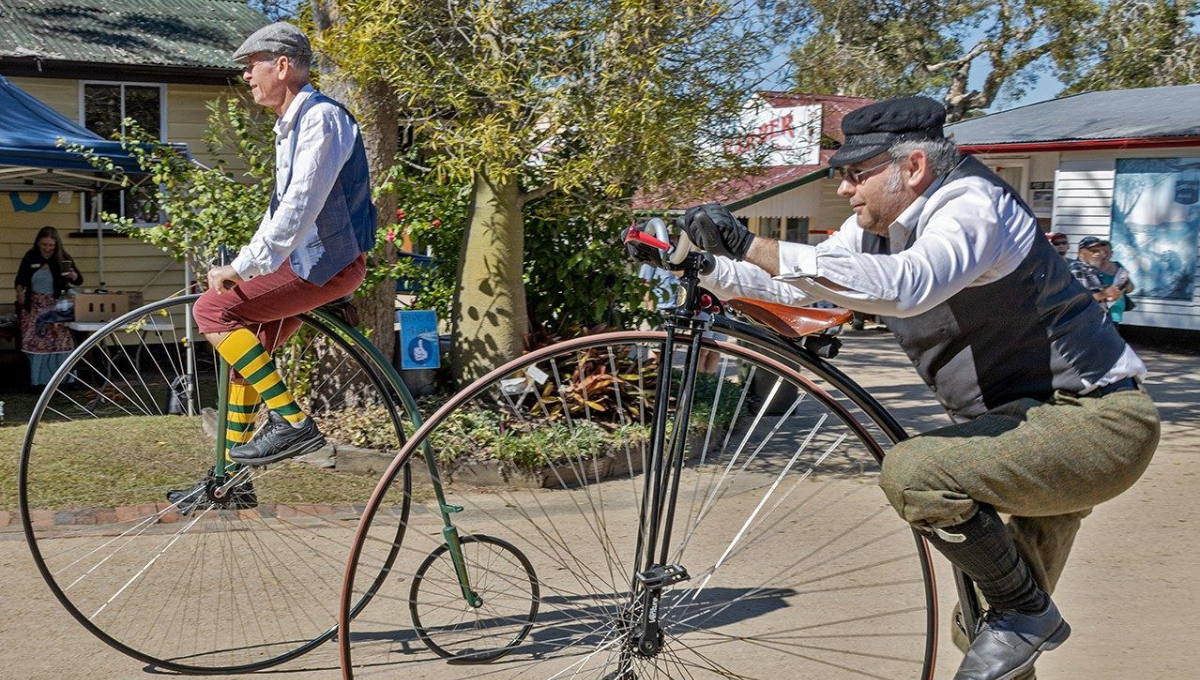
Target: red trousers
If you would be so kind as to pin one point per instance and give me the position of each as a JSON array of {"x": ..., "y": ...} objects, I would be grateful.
[{"x": 268, "y": 304}]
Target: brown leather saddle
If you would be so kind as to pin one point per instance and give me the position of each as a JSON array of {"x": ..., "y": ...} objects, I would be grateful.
[{"x": 790, "y": 322}]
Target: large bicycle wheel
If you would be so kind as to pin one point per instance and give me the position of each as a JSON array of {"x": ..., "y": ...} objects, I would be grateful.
[
  {"x": 796, "y": 565},
  {"x": 234, "y": 584}
]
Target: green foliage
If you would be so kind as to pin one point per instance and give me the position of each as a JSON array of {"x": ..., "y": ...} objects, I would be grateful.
[
  {"x": 1137, "y": 43},
  {"x": 866, "y": 49},
  {"x": 560, "y": 95},
  {"x": 880, "y": 50},
  {"x": 579, "y": 105},
  {"x": 205, "y": 206},
  {"x": 705, "y": 395},
  {"x": 577, "y": 275},
  {"x": 476, "y": 434},
  {"x": 432, "y": 212}
]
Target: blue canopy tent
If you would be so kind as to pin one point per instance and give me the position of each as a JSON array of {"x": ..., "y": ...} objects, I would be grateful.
[{"x": 34, "y": 157}]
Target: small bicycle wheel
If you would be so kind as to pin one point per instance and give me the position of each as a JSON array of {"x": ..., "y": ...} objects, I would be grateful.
[
  {"x": 790, "y": 562},
  {"x": 231, "y": 584},
  {"x": 458, "y": 629}
]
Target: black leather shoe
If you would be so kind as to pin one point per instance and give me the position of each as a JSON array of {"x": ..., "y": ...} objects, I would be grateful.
[
  {"x": 1009, "y": 643},
  {"x": 187, "y": 501},
  {"x": 277, "y": 440}
]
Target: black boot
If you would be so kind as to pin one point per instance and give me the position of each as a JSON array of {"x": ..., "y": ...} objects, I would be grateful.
[{"x": 1023, "y": 622}]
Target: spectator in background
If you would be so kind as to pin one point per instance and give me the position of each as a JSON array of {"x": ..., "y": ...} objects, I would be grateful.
[
  {"x": 1059, "y": 241},
  {"x": 1114, "y": 279},
  {"x": 43, "y": 278},
  {"x": 1088, "y": 276}
]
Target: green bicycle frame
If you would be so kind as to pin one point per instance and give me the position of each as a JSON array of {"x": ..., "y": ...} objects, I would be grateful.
[
  {"x": 221, "y": 461},
  {"x": 391, "y": 377}
]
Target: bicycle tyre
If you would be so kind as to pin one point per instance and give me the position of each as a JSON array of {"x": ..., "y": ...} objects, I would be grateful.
[
  {"x": 185, "y": 605},
  {"x": 474, "y": 634},
  {"x": 732, "y": 597}
]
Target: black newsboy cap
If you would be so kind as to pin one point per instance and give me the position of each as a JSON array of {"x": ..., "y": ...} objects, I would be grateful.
[
  {"x": 873, "y": 129},
  {"x": 1091, "y": 242}
]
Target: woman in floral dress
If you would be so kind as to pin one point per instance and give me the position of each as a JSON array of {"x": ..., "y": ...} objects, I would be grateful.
[{"x": 45, "y": 275}]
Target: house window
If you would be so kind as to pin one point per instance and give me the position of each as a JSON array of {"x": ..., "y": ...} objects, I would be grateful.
[
  {"x": 105, "y": 107},
  {"x": 1014, "y": 171},
  {"x": 769, "y": 227},
  {"x": 797, "y": 229}
]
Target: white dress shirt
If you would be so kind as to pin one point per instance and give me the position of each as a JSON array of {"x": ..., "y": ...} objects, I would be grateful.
[
  {"x": 969, "y": 232},
  {"x": 308, "y": 159}
]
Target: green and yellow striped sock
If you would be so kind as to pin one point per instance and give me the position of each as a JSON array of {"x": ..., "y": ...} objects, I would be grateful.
[
  {"x": 250, "y": 359},
  {"x": 239, "y": 426}
]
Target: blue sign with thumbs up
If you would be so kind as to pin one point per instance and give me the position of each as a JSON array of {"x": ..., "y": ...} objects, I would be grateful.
[{"x": 418, "y": 340}]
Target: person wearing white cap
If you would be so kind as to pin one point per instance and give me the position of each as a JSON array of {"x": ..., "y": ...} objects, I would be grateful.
[{"x": 309, "y": 249}]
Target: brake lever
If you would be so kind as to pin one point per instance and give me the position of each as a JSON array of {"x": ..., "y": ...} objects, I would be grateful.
[{"x": 635, "y": 234}]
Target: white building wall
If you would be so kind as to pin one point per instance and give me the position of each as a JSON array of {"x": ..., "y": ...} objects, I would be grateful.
[
  {"x": 1024, "y": 172},
  {"x": 799, "y": 202},
  {"x": 817, "y": 200}
]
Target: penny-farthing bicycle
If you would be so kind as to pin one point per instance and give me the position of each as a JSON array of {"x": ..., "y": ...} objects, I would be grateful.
[
  {"x": 248, "y": 575},
  {"x": 647, "y": 520}
]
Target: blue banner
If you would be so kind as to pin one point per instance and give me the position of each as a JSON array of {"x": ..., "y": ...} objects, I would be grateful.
[
  {"x": 1155, "y": 224},
  {"x": 418, "y": 340}
]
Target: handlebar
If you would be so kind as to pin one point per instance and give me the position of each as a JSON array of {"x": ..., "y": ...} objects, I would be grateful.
[{"x": 661, "y": 239}]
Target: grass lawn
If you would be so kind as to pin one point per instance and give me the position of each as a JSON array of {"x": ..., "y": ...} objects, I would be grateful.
[
  {"x": 112, "y": 462},
  {"x": 17, "y": 407}
]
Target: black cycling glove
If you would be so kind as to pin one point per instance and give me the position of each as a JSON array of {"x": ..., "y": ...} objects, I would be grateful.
[{"x": 712, "y": 227}]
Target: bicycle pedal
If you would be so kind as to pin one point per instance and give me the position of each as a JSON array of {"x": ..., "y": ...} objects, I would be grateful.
[{"x": 663, "y": 575}]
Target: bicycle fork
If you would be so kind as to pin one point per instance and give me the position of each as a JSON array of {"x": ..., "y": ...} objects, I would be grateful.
[
  {"x": 652, "y": 571},
  {"x": 450, "y": 532},
  {"x": 226, "y": 475}
]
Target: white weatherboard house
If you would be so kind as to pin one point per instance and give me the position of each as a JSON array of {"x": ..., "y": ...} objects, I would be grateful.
[
  {"x": 98, "y": 62},
  {"x": 1122, "y": 165},
  {"x": 794, "y": 198}
]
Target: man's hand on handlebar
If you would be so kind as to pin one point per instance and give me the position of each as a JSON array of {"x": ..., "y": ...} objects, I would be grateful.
[
  {"x": 223, "y": 278},
  {"x": 714, "y": 229},
  {"x": 642, "y": 246}
]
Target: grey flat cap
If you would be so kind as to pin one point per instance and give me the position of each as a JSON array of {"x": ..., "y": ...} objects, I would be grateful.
[{"x": 279, "y": 38}]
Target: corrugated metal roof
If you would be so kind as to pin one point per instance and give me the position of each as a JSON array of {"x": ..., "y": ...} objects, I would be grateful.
[
  {"x": 739, "y": 191},
  {"x": 195, "y": 33},
  {"x": 1115, "y": 114}
]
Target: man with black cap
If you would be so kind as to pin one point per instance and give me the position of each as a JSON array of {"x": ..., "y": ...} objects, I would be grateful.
[
  {"x": 1089, "y": 277},
  {"x": 1050, "y": 419},
  {"x": 308, "y": 250}
]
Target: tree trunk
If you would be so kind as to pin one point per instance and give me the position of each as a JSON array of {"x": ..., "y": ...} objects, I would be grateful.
[
  {"x": 490, "y": 318},
  {"x": 374, "y": 107}
]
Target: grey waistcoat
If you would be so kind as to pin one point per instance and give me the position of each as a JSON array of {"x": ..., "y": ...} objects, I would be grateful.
[
  {"x": 346, "y": 225},
  {"x": 1028, "y": 334}
]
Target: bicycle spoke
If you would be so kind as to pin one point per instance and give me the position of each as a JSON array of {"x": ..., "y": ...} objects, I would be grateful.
[
  {"x": 778, "y": 523},
  {"x": 201, "y": 584}
]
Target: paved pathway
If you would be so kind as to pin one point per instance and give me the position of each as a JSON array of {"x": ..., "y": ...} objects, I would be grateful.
[{"x": 1129, "y": 591}]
